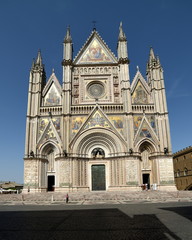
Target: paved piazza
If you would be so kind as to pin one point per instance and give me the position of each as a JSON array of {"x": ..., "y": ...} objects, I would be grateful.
[{"x": 171, "y": 220}]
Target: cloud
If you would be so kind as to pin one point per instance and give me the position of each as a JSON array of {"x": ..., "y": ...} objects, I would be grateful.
[{"x": 177, "y": 89}]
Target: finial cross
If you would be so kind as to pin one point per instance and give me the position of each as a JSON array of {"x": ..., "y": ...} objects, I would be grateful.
[{"x": 94, "y": 25}]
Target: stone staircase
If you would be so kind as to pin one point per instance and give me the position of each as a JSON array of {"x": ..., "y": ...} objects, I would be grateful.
[{"x": 99, "y": 196}]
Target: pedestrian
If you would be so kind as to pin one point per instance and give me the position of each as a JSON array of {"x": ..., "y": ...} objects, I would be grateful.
[{"x": 67, "y": 198}]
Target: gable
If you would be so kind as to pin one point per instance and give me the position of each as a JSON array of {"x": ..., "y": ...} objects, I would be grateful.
[
  {"x": 52, "y": 91},
  {"x": 49, "y": 130},
  {"x": 52, "y": 97},
  {"x": 95, "y": 51},
  {"x": 146, "y": 130},
  {"x": 137, "y": 119},
  {"x": 97, "y": 119}
]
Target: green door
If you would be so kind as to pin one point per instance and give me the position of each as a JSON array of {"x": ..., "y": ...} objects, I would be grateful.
[{"x": 98, "y": 177}]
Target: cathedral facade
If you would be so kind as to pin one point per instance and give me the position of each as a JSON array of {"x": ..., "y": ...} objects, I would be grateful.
[{"x": 98, "y": 131}]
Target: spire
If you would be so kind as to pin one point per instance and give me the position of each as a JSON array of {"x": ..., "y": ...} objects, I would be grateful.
[
  {"x": 39, "y": 59},
  {"x": 122, "y": 36},
  {"x": 68, "y": 38},
  {"x": 151, "y": 55},
  {"x": 153, "y": 60}
]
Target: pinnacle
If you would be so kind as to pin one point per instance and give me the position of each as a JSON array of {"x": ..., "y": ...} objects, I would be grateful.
[
  {"x": 151, "y": 54},
  {"x": 39, "y": 59},
  {"x": 68, "y": 38},
  {"x": 122, "y": 36}
]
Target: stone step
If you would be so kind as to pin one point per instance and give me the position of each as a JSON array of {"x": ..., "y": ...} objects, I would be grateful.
[{"x": 97, "y": 196}]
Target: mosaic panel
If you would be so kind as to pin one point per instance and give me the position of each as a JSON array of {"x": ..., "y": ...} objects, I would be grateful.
[
  {"x": 52, "y": 97},
  {"x": 57, "y": 123},
  {"x": 137, "y": 121},
  {"x": 76, "y": 123},
  {"x": 42, "y": 124},
  {"x": 140, "y": 96},
  {"x": 97, "y": 121},
  {"x": 145, "y": 131},
  {"x": 50, "y": 134},
  {"x": 118, "y": 123},
  {"x": 151, "y": 120},
  {"x": 95, "y": 54},
  {"x": 138, "y": 118},
  {"x": 44, "y": 121}
]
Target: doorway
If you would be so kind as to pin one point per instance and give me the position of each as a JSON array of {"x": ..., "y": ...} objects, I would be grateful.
[
  {"x": 51, "y": 183},
  {"x": 98, "y": 177},
  {"x": 146, "y": 179}
]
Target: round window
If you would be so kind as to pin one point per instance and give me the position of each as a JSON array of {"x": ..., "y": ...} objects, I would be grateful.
[{"x": 96, "y": 90}]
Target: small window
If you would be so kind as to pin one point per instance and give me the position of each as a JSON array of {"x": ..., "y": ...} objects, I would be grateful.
[
  {"x": 185, "y": 172},
  {"x": 178, "y": 173}
]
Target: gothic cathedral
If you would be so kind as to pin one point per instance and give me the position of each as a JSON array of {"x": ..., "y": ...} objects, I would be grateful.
[{"x": 98, "y": 131}]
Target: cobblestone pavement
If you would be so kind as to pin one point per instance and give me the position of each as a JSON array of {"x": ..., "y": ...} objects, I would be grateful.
[{"x": 151, "y": 221}]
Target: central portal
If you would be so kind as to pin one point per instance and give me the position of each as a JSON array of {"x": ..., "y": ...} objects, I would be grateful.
[{"x": 98, "y": 177}]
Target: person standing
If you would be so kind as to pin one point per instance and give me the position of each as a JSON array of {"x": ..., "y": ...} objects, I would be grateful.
[{"x": 67, "y": 198}]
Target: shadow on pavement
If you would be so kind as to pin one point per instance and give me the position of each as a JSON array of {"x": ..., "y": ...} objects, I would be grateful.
[
  {"x": 183, "y": 211},
  {"x": 81, "y": 224}
]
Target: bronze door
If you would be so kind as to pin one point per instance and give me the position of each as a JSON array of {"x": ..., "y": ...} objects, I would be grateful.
[{"x": 98, "y": 177}]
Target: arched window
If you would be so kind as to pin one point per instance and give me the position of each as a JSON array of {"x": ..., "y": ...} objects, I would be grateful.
[{"x": 178, "y": 173}]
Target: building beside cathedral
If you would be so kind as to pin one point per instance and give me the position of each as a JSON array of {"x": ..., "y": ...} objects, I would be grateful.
[
  {"x": 182, "y": 162},
  {"x": 98, "y": 130}
]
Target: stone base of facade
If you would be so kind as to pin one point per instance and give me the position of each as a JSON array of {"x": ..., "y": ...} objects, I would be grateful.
[
  {"x": 123, "y": 188},
  {"x": 167, "y": 188},
  {"x": 33, "y": 190},
  {"x": 72, "y": 189}
]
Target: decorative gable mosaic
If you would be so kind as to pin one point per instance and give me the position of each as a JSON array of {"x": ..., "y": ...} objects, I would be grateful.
[{"x": 95, "y": 53}]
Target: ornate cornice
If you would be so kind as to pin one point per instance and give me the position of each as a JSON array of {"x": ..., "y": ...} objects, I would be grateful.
[
  {"x": 68, "y": 62},
  {"x": 123, "y": 61}
]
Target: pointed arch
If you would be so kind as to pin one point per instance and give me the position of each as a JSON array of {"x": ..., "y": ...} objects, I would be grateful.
[
  {"x": 148, "y": 144},
  {"x": 47, "y": 146},
  {"x": 49, "y": 133}
]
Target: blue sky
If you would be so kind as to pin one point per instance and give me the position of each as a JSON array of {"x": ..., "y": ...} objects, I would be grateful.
[{"x": 27, "y": 26}]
